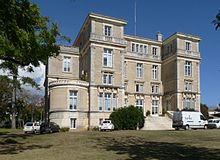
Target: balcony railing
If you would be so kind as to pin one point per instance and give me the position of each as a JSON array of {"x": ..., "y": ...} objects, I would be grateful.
[
  {"x": 68, "y": 82},
  {"x": 188, "y": 53},
  {"x": 143, "y": 55},
  {"x": 110, "y": 39}
]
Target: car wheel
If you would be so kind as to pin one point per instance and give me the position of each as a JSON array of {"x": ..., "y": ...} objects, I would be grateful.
[
  {"x": 187, "y": 127},
  {"x": 177, "y": 129},
  {"x": 205, "y": 127}
]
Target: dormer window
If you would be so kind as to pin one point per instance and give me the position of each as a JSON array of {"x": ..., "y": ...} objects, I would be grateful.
[{"x": 108, "y": 30}]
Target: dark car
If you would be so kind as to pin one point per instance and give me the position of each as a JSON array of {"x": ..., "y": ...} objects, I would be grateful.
[{"x": 49, "y": 128}]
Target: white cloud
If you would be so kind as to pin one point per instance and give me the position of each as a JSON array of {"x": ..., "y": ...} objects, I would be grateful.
[{"x": 38, "y": 75}]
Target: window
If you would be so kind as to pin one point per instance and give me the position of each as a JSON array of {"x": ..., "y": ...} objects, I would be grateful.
[
  {"x": 107, "y": 101},
  {"x": 188, "y": 68},
  {"x": 107, "y": 57},
  {"x": 108, "y": 30},
  {"x": 155, "y": 72},
  {"x": 66, "y": 64},
  {"x": 141, "y": 48},
  {"x": 133, "y": 47},
  {"x": 114, "y": 101},
  {"x": 155, "y": 106},
  {"x": 188, "y": 103},
  {"x": 72, "y": 100},
  {"x": 73, "y": 123},
  {"x": 140, "y": 103},
  {"x": 188, "y": 86},
  {"x": 126, "y": 102},
  {"x": 154, "y": 52},
  {"x": 140, "y": 87},
  {"x": 139, "y": 70},
  {"x": 155, "y": 89},
  {"x": 145, "y": 49},
  {"x": 188, "y": 46},
  {"x": 137, "y": 47},
  {"x": 107, "y": 78},
  {"x": 100, "y": 101}
]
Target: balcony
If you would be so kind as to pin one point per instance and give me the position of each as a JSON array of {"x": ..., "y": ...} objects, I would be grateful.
[
  {"x": 186, "y": 53},
  {"x": 141, "y": 55},
  {"x": 63, "y": 82},
  {"x": 107, "y": 39}
]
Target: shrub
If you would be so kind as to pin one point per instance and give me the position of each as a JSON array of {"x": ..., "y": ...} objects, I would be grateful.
[
  {"x": 147, "y": 113},
  {"x": 128, "y": 118},
  {"x": 64, "y": 129}
]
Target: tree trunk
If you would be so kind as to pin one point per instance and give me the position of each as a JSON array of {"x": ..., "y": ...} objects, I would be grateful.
[{"x": 13, "y": 116}]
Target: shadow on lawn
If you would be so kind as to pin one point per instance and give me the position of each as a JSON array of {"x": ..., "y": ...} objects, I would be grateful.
[
  {"x": 9, "y": 144},
  {"x": 138, "y": 148}
]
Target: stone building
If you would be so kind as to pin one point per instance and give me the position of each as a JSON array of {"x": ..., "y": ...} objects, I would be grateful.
[{"x": 106, "y": 69}]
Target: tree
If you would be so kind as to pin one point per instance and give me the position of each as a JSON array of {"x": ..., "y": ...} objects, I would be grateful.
[
  {"x": 217, "y": 21},
  {"x": 26, "y": 40},
  {"x": 204, "y": 110},
  {"x": 127, "y": 118}
]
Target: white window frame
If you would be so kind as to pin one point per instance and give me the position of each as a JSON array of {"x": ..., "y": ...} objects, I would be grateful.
[
  {"x": 188, "y": 86},
  {"x": 145, "y": 49},
  {"x": 101, "y": 103},
  {"x": 139, "y": 103},
  {"x": 133, "y": 47},
  {"x": 155, "y": 89},
  {"x": 107, "y": 57},
  {"x": 155, "y": 72},
  {"x": 189, "y": 103},
  {"x": 188, "y": 68},
  {"x": 73, "y": 123},
  {"x": 108, "y": 30},
  {"x": 107, "y": 101},
  {"x": 66, "y": 64},
  {"x": 188, "y": 46},
  {"x": 139, "y": 70},
  {"x": 73, "y": 99},
  {"x": 155, "y": 107},
  {"x": 107, "y": 78},
  {"x": 139, "y": 87},
  {"x": 155, "y": 51}
]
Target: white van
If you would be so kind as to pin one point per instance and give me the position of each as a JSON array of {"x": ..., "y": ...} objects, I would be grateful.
[{"x": 189, "y": 119}]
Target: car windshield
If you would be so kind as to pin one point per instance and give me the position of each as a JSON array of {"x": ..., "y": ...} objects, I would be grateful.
[
  {"x": 29, "y": 124},
  {"x": 106, "y": 121}
]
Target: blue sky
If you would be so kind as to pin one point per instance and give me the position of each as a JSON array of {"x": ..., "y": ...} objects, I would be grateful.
[{"x": 166, "y": 16}]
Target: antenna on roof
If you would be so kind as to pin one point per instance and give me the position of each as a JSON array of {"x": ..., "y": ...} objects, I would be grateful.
[{"x": 135, "y": 17}]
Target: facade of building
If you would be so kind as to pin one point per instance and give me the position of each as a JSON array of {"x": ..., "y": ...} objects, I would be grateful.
[{"x": 106, "y": 69}]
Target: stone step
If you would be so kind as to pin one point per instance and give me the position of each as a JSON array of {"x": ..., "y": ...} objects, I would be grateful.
[{"x": 158, "y": 123}]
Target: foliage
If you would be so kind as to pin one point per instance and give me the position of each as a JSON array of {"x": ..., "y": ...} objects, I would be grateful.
[
  {"x": 147, "y": 113},
  {"x": 26, "y": 37},
  {"x": 5, "y": 97},
  {"x": 204, "y": 110},
  {"x": 64, "y": 129},
  {"x": 128, "y": 118},
  {"x": 217, "y": 21}
]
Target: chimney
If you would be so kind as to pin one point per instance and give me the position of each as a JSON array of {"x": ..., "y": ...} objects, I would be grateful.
[{"x": 159, "y": 37}]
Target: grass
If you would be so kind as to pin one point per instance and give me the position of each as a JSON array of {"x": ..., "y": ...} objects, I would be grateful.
[{"x": 134, "y": 145}]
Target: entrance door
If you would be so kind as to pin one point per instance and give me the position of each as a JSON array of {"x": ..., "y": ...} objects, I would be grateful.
[{"x": 155, "y": 107}]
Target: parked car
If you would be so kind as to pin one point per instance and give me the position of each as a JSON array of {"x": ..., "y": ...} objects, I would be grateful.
[
  {"x": 32, "y": 127},
  {"x": 189, "y": 119},
  {"x": 214, "y": 123},
  {"x": 49, "y": 128},
  {"x": 106, "y": 125}
]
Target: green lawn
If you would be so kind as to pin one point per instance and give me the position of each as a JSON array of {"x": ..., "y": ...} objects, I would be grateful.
[{"x": 136, "y": 145}]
